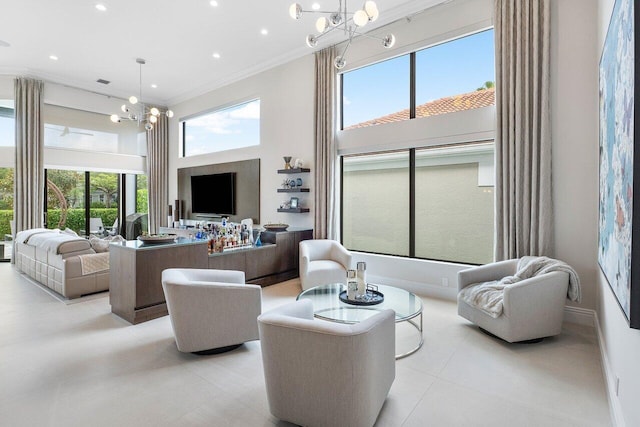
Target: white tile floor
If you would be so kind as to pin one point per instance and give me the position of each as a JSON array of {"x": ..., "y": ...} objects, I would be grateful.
[{"x": 79, "y": 365}]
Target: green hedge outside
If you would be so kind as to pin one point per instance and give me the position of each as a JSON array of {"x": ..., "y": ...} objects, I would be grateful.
[
  {"x": 75, "y": 218},
  {"x": 5, "y": 227}
]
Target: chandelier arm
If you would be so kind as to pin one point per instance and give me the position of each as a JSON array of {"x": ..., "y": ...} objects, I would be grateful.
[
  {"x": 369, "y": 36},
  {"x": 348, "y": 44},
  {"x": 346, "y": 18},
  {"x": 326, "y": 32}
]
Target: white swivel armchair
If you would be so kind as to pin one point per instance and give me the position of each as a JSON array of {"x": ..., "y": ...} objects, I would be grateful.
[
  {"x": 211, "y": 311},
  {"x": 322, "y": 262},
  {"x": 533, "y": 308},
  {"x": 319, "y": 373}
]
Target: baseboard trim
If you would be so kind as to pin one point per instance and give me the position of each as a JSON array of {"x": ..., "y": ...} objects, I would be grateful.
[
  {"x": 580, "y": 316},
  {"x": 617, "y": 420},
  {"x": 425, "y": 289}
]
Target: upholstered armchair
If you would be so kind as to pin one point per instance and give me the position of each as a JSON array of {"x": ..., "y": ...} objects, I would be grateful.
[
  {"x": 532, "y": 308},
  {"x": 211, "y": 311},
  {"x": 322, "y": 262},
  {"x": 319, "y": 373}
]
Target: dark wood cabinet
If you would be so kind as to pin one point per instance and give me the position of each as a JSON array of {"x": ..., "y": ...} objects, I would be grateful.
[
  {"x": 135, "y": 276},
  {"x": 275, "y": 261},
  {"x": 135, "y": 288}
]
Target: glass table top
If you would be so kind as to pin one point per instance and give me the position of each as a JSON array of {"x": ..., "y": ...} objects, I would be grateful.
[{"x": 327, "y": 304}]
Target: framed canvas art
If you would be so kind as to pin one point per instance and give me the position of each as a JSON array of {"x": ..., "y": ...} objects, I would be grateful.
[{"x": 619, "y": 217}]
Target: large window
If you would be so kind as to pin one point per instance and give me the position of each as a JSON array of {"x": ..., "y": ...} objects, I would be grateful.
[
  {"x": 454, "y": 202},
  {"x": 67, "y": 128},
  {"x": 376, "y": 203},
  {"x": 375, "y": 93},
  {"x": 76, "y": 199},
  {"x": 7, "y": 123},
  {"x": 6, "y": 200},
  {"x": 434, "y": 203},
  {"x": 65, "y": 204},
  {"x": 225, "y": 129},
  {"x": 7, "y": 139},
  {"x": 454, "y": 76}
]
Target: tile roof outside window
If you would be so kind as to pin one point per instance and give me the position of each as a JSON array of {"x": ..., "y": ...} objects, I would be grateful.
[{"x": 450, "y": 104}]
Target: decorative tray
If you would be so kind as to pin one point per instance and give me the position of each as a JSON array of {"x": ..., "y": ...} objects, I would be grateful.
[
  {"x": 276, "y": 227},
  {"x": 152, "y": 239},
  {"x": 371, "y": 297}
]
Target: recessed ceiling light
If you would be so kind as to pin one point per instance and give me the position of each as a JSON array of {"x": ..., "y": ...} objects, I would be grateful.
[
  {"x": 53, "y": 57},
  {"x": 315, "y": 6},
  {"x": 216, "y": 55},
  {"x": 264, "y": 31},
  {"x": 101, "y": 7},
  {"x": 153, "y": 85},
  {"x": 213, "y": 3}
]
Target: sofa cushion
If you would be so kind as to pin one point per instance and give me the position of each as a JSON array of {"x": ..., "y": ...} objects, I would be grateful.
[{"x": 102, "y": 245}]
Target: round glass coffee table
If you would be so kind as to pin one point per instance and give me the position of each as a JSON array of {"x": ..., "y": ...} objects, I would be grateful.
[{"x": 327, "y": 306}]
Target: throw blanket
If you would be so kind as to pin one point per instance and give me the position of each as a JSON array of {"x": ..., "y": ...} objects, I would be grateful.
[
  {"x": 55, "y": 241},
  {"x": 93, "y": 263},
  {"x": 24, "y": 235},
  {"x": 488, "y": 296}
]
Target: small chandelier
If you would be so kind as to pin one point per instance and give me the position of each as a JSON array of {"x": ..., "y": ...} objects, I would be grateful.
[
  {"x": 349, "y": 22},
  {"x": 140, "y": 112}
]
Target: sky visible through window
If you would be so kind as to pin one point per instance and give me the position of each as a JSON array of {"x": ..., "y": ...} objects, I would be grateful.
[
  {"x": 452, "y": 68},
  {"x": 234, "y": 127},
  {"x": 7, "y": 130},
  {"x": 7, "y": 125}
]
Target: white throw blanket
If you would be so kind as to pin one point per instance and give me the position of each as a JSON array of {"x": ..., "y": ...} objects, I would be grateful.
[
  {"x": 93, "y": 263},
  {"x": 488, "y": 296}
]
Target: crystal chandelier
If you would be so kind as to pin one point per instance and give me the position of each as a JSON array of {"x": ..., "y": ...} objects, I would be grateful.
[
  {"x": 138, "y": 111},
  {"x": 348, "y": 22}
]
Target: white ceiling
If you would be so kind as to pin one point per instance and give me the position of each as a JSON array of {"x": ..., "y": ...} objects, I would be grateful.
[{"x": 176, "y": 38}]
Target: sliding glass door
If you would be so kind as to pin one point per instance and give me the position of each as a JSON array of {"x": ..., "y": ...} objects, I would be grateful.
[{"x": 65, "y": 202}]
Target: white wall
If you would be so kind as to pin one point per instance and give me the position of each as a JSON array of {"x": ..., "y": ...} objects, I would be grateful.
[
  {"x": 574, "y": 133},
  {"x": 620, "y": 344},
  {"x": 286, "y": 97}
]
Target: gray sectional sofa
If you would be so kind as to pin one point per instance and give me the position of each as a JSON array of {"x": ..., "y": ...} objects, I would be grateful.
[{"x": 61, "y": 261}]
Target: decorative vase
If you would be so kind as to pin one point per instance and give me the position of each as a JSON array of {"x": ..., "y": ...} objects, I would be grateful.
[{"x": 287, "y": 162}]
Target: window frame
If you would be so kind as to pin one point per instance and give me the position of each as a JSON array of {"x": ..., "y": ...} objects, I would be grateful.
[
  {"x": 412, "y": 76},
  {"x": 412, "y": 200}
]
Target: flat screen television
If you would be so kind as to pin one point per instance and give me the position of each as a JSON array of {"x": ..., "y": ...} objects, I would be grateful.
[{"x": 213, "y": 194}]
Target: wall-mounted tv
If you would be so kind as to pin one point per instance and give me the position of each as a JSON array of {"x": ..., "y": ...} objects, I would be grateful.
[{"x": 213, "y": 194}]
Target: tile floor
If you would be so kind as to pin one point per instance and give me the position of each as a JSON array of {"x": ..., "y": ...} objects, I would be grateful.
[{"x": 79, "y": 365}]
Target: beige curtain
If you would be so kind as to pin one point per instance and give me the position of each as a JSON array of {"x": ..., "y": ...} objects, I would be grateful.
[
  {"x": 158, "y": 173},
  {"x": 325, "y": 145},
  {"x": 28, "y": 184},
  {"x": 524, "y": 215}
]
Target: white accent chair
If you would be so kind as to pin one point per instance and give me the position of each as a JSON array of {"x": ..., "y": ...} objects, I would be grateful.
[
  {"x": 211, "y": 311},
  {"x": 95, "y": 226},
  {"x": 322, "y": 262},
  {"x": 532, "y": 308},
  {"x": 319, "y": 373}
]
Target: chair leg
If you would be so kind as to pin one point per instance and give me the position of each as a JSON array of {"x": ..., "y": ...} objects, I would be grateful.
[
  {"x": 217, "y": 350},
  {"x": 531, "y": 341}
]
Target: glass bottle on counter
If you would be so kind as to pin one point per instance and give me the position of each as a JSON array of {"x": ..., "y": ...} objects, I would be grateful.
[
  {"x": 361, "y": 276},
  {"x": 352, "y": 285}
]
